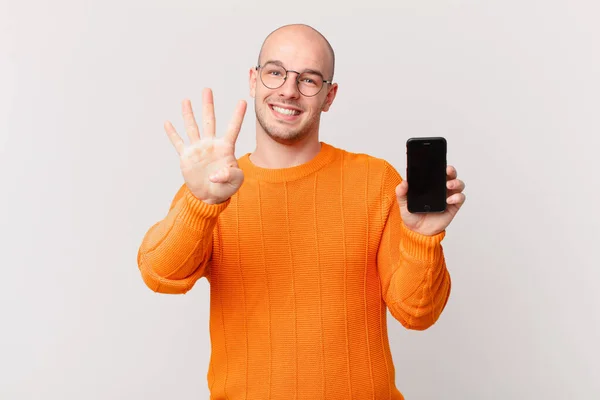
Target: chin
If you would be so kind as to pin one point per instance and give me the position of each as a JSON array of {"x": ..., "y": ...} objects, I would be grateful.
[
  {"x": 281, "y": 133},
  {"x": 285, "y": 136}
]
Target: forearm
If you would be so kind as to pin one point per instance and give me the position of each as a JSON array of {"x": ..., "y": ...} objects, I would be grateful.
[
  {"x": 419, "y": 285},
  {"x": 175, "y": 252}
]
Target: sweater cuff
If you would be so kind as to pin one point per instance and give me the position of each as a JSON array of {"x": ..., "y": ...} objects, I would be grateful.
[
  {"x": 195, "y": 212},
  {"x": 421, "y": 247}
]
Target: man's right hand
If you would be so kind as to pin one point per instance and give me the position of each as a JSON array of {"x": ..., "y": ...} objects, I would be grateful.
[{"x": 208, "y": 164}]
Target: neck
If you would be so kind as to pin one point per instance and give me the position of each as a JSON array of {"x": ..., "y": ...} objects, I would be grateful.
[{"x": 270, "y": 153}]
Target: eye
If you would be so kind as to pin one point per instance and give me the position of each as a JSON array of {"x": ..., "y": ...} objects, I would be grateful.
[{"x": 310, "y": 79}]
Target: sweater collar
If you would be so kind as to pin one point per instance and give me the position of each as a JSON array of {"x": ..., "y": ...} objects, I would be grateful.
[{"x": 325, "y": 156}]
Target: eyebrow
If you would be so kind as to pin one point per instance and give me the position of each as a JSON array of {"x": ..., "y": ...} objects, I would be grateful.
[{"x": 312, "y": 71}]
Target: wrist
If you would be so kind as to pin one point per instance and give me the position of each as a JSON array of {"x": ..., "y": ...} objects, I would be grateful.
[
  {"x": 212, "y": 202},
  {"x": 425, "y": 247},
  {"x": 208, "y": 201},
  {"x": 195, "y": 211}
]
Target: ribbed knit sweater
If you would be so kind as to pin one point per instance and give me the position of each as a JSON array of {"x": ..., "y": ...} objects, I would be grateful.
[{"x": 302, "y": 263}]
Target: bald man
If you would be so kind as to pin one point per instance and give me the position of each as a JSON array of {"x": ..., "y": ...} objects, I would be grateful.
[{"x": 306, "y": 246}]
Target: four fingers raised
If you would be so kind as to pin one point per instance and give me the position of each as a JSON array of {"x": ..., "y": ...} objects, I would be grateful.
[{"x": 208, "y": 120}]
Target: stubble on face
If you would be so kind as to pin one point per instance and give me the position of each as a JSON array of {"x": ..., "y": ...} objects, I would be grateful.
[{"x": 277, "y": 129}]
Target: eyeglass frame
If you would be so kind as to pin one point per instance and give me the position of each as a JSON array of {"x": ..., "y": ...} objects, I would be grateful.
[{"x": 285, "y": 79}]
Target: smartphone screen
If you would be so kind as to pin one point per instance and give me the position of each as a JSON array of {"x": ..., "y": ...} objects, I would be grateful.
[{"x": 426, "y": 174}]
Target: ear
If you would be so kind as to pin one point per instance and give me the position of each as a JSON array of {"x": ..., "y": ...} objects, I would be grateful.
[
  {"x": 330, "y": 97},
  {"x": 252, "y": 81}
]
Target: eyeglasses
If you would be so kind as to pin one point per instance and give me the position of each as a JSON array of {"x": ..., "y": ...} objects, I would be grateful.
[{"x": 273, "y": 76}]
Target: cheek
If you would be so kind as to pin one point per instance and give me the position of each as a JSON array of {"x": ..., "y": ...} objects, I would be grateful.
[
  {"x": 317, "y": 106},
  {"x": 261, "y": 95}
]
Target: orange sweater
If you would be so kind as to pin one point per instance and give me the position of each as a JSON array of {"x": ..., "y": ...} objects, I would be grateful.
[{"x": 302, "y": 263}]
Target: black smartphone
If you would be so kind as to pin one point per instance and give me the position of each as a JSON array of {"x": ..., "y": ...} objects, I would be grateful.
[{"x": 426, "y": 174}]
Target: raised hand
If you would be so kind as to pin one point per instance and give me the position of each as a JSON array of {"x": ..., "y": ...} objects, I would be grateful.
[
  {"x": 433, "y": 223},
  {"x": 208, "y": 164}
]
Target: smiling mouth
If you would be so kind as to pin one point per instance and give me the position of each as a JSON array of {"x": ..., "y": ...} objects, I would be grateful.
[{"x": 285, "y": 111}]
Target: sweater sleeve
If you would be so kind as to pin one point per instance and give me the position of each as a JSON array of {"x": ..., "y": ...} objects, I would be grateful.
[
  {"x": 176, "y": 251},
  {"x": 412, "y": 268}
]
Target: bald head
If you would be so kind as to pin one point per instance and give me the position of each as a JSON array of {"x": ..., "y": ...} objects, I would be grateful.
[{"x": 303, "y": 35}]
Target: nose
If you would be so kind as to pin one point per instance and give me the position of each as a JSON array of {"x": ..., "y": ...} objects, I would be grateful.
[{"x": 289, "y": 89}]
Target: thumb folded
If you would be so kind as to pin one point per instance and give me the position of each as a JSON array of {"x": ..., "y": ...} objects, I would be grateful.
[{"x": 236, "y": 177}]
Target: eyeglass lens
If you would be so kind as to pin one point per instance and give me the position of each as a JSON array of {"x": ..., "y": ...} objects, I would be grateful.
[{"x": 273, "y": 76}]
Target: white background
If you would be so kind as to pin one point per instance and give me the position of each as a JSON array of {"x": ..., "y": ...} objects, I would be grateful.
[{"x": 86, "y": 169}]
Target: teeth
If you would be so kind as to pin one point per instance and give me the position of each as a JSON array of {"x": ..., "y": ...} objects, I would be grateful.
[{"x": 285, "y": 111}]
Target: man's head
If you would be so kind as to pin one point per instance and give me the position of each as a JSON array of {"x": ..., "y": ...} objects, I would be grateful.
[{"x": 292, "y": 111}]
